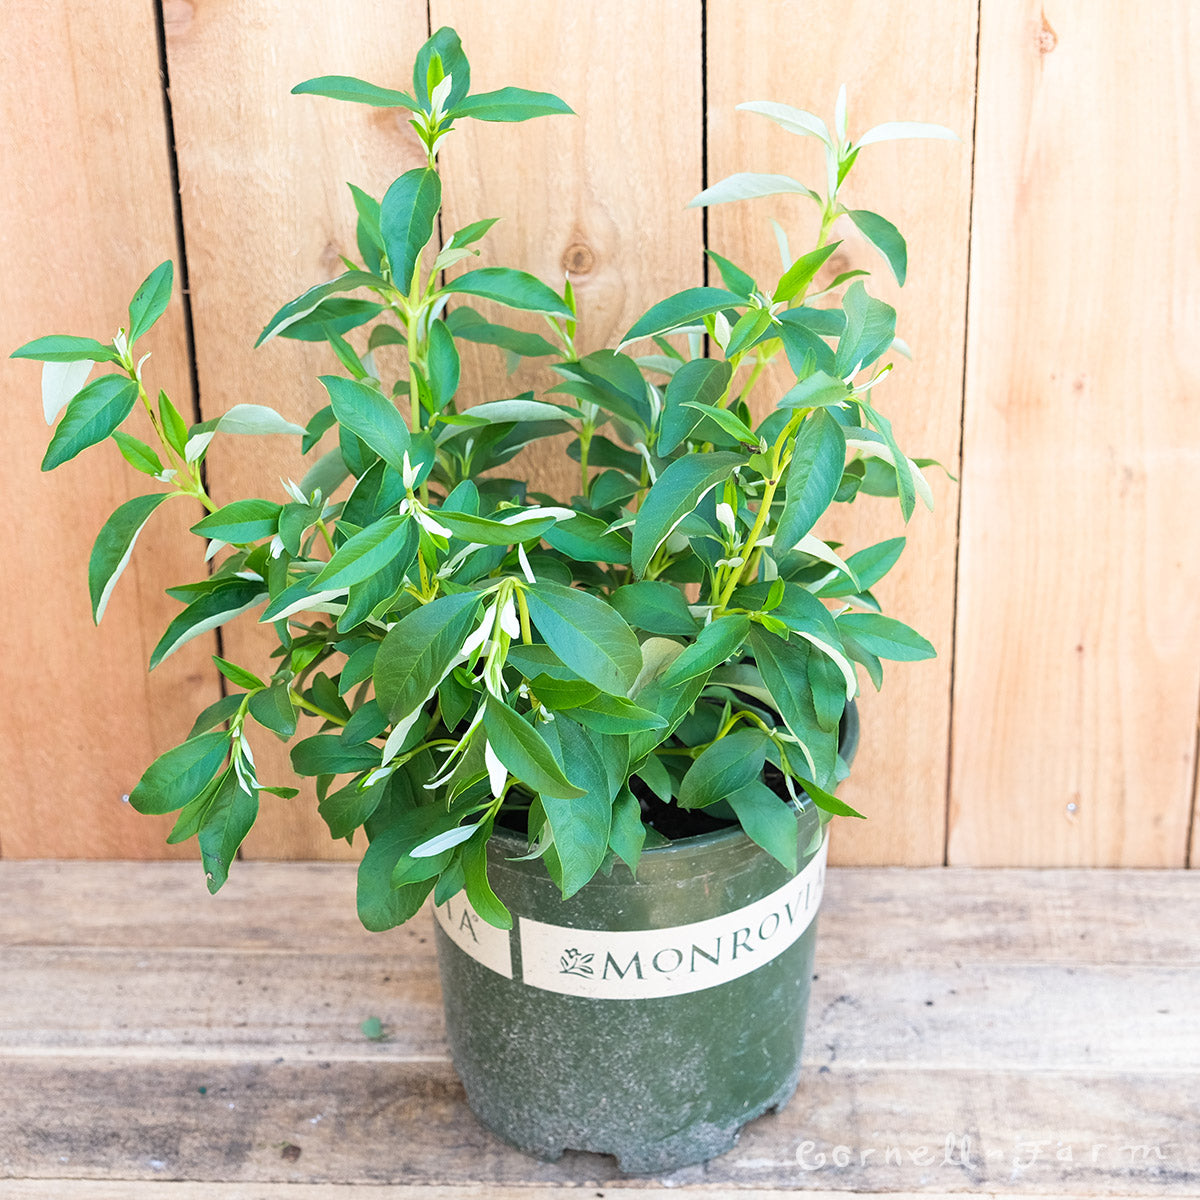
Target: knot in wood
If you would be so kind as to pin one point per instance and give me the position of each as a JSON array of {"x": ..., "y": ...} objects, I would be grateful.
[{"x": 578, "y": 259}]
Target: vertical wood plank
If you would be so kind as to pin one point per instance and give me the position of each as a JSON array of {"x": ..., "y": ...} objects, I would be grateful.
[
  {"x": 86, "y": 210},
  {"x": 266, "y": 213},
  {"x": 1193, "y": 859},
  {"x": 899, "y": 61},
  {"x": 1079, "y": 617},
  {"x": 601, "y": 194}
]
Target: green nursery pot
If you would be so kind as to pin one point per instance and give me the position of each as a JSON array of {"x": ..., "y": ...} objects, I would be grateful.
[{"x": 646, "y": 1019}]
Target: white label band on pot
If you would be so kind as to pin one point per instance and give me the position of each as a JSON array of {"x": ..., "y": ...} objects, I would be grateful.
[
  {"x": 474, "y": 936},
  {"x": 645, "y": 963}
]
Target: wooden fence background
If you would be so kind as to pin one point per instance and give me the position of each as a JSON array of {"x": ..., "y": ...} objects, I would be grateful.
[{"x": 1052, "y": 306}]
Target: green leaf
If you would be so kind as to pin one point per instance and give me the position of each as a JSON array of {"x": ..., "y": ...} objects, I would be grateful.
[
  {"x": 59, "y": 347},
  {"x": 768, "y": 821},
  {"x": 238, "y": 676},
  {"x": 150, "y": 300},
  {"x": 340, "y": 314},
  {"x": 216, "y": 714},
  {"x": 180, "y": 775},
  {"x": 588, "y": 539},
  {"x": 628, "y": 834},
  {"x": 869, "y": 565},
  {"x": 885, "y": 637},
  {"x": 729, "y": 763},
  {"x": 891, "y": 131},
  {"x": 614, "y": 715},
  {"x": 210, "y": 610},
  {"x": 674, "y": 495},
  {"x": 368, "y": 552},
  {"x": 702, "y": 381},
  {"x": 828, "y": 802},
  {"x": 448, "y": 839},
  {"x": 440, "y": 56},
  {"x": 716, "y": 643},
  {"x": 486, "y": 532},
  {"x": 516, "y": 289},
  {"x": 750, "y": 328},
  {"x": 818, "y": 390},
  {"x": 381, "y": 906},
  {"x": 655, "y": 607},
  {"x": 369, "y": 416},
  {"x": 511, "y": 104},
  {"x": 173, "y": 425},
  {"x": 783, "y": 666},
  {"x": 587, "y": 634},
  {"x": 253, "y": 419},
  {"x": 749, "y": 186},
  {"x": 90, "y": 417},
  {"x": 500, "y": 412},
  {"x": 418, "y": 651},
  {"x": 467, "y": 324},
  {"x": 524, "y": 751},
  {"x": 241, "y": 522},
  {"x": 813, "y": 477},
  {"x": 656, "y": 777},
  {"x": 580, "y": 826},
  {"x": 479, "y": 891},
  {"x": 870, "y": 330},
  {"x": 61, "y": 383},
  {"x": 885, "y": 237},
  {"x": 137, "y": 454},
  {"x": 114, "y": 544},
  {"x": 733, "y": 277},
  {"x": 444, "y": 366},
  {"x": 298, "y": 309},
  {"x": 737, "y": 429},
  {"x": 802, "y": 272},
  {"x": 406, "y": 218},
  {"x": 469, "y": 234},
  {"x": 794, "y": 120},
  {"x": 350, "y": 807},
  {"x": 329, "y": 754},
  {"x": 273, "y": 709},
  {"x": 229, "y": 817},
  {"x": 356, "y": 91},
  {"x": 367, "y": 234},
  {"x": 684, "y": 308}
]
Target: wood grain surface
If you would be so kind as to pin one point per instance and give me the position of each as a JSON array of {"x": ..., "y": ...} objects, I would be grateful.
[
  {"x": 266, "y": 213},
  {"x": 86, "y": 212},
  {"x": 904, "y": 62},
  {"x": 1078, "y": 637},
  {"x": 1058, "y": 725},
  {"x": 598, "y": 196},
  {"x": 1042, "y": 1042}
]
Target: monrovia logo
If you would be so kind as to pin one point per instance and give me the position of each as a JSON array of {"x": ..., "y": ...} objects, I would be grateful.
[
  {"x": 644, "y": 963},
  {"x": 574, "y": 963}
]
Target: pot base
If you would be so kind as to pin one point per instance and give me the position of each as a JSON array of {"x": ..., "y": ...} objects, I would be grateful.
[{"x": 695, "y": 1143}]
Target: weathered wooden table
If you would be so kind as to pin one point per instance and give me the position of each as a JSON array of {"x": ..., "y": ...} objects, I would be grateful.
[{"x": 994, "y": 1032}]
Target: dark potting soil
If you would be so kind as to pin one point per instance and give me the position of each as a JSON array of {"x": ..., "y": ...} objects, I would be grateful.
[{"x": 670, "y": 820}]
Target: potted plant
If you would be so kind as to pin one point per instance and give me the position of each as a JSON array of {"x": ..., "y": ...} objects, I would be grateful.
[{"x": 603, "y": 731}]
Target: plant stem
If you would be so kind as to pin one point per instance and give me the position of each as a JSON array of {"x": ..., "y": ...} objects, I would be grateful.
[
  {"x": 308, "y": 706},
  {"x": 585, "y": 442}
]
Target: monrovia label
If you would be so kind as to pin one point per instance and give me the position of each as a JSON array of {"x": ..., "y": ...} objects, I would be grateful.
[
  {"x": 644, "y": 963},
  {"x": 639, "y": 964},
  {"x": 472, "y": 934}
]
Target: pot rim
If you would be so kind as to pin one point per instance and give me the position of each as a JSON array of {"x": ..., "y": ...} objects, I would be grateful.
[{"x": 718, "y": 838}]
